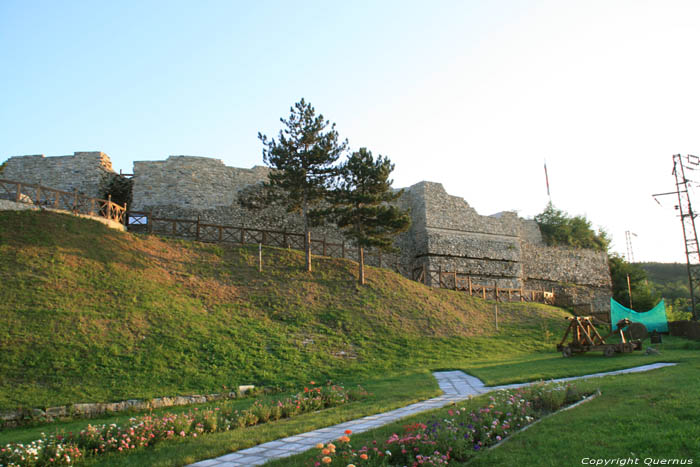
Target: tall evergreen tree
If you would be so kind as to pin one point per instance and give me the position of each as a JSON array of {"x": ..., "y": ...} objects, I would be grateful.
[
  {"x": 360, "y": 204},
  {"x": 302, "y": 159}
]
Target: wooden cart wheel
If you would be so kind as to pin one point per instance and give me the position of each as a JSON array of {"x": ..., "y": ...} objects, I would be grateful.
[
  {"x": 566, "y": 352},
  {"x": 609, "y": 351}
]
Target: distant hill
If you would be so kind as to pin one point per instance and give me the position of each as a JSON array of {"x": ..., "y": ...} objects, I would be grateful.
[{"x": 669, "y": 279}]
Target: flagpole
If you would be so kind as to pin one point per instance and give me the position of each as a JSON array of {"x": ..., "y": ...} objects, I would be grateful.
[{"x": 546, "y": 178}]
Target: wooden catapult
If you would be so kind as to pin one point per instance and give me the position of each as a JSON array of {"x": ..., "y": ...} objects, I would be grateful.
[{"x": 585, "y": 337}]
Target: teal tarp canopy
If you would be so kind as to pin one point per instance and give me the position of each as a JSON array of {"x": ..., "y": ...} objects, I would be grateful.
[{"x": 654, "y": 319}]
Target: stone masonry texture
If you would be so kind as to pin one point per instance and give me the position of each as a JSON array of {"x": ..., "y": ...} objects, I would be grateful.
[
  {"x": 445, "y": 233},
  {"x": 83, "y": 171}
]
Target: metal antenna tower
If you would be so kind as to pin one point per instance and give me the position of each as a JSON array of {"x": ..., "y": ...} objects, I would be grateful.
[
  {"x": 628, "y": 239},
  {"x": 690, "y": 235}
]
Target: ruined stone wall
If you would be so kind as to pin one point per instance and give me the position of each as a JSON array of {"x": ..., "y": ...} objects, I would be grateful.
[
  {"x": 191, "y": 182},
  {"x": 503, "y": 249},
  {"x": 187, "y": 187},
  {"x": 577, "y": 276},
  {"x": 455, "y": 236},
  {"x": 83, "y": 171},
  {"x": 446, "y": 232},
  {"x": 530, "y": 232}
]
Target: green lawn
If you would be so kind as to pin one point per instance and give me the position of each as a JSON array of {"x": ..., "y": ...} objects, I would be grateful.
[
  {"x": 644, "y": 413},
  {"x": 385, "y": 394},
  {"x": 650, "y": 415},
  {"x": 121, "y": 316}
]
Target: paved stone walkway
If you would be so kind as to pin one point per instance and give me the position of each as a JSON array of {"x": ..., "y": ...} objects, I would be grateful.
[{"x": 456, "y": 386}]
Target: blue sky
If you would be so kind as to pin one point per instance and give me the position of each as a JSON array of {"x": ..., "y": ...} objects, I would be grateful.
[{"x": 472, "y": 94}]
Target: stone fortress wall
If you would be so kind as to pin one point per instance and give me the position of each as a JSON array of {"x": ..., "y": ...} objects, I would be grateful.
[
  {"x": 83, "y": 171},
  {"x": 445, "y": 232}
]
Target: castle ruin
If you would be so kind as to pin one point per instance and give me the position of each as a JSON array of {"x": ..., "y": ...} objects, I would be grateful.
[{"x": 445, "y": 233}]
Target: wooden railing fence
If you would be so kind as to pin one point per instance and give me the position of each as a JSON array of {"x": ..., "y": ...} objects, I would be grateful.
[
  {"x": 215, "y": 233},
  {"x": 464, "y": 282},
  {"x": 39, "y": 195}
]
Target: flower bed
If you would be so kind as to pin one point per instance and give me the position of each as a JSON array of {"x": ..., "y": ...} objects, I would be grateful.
[
  {"x": 458, "y": 435},
  {"x": 148, "y": 430}
]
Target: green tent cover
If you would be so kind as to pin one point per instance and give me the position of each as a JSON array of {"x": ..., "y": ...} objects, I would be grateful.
[{"x": 654, "y": 319}]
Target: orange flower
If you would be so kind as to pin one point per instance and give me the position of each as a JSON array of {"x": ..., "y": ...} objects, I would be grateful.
[
  {"x": 344, "y": 439},
  {"x": 326, "y": 460},
  {"x": 325, "y": 452},
  {"x": 331, "y": 446},
  {"x": 348, "y": 432},
  {"x": 319, "y": 446},
  {"x": 363, "y": 456}
]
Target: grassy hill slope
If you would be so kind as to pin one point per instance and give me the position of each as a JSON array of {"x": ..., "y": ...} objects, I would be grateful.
[{"x": 90, "y": 314}]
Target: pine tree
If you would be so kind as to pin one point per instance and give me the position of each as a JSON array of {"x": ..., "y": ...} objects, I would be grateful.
[
  {"x": 302, "y": 160},
  {"x": 360, "y": 204}
]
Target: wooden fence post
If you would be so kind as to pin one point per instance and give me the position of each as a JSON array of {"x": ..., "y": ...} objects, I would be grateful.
[
  {"x": 440, "y": 276},
  {"x": 469, "y": 280},
  {"x": 19, "y": 192},
  {"x": 495, "y": 290},
  {"x": 242, "y": 235},
  {"x": 197, "y": 227},
  {"x": 324, "y": 245},
  {"x": 454, "y": 275},
  {"x": 425, "y": 274}
]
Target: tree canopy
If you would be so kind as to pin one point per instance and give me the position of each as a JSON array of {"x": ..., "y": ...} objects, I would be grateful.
[
  {"x": 302, "y": 158},
  {"x": 558, "y": 228},
  {"x": 644, "y": 297},
  {"x": 360, "y": 203}
]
